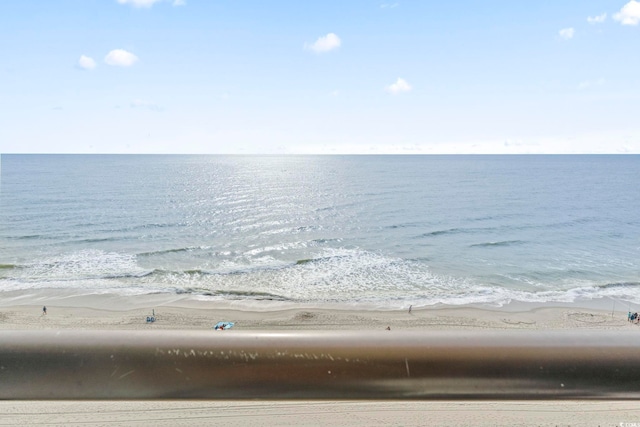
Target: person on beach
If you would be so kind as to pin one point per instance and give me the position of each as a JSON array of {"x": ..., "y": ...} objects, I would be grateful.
[{"x": 44, "y": 310}]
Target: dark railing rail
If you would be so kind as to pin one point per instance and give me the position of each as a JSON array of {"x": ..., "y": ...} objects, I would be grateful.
[{"x": 84, "y": 364}]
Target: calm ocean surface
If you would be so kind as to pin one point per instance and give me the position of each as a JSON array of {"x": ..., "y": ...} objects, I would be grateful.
[{"x": 381, "y": 231}]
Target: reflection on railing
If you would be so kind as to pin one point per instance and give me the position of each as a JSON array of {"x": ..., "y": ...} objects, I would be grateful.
[{"x": 81, "y": 364}]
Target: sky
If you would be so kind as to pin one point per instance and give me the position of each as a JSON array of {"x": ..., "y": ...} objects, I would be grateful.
[{"x": 319, "y": 77}]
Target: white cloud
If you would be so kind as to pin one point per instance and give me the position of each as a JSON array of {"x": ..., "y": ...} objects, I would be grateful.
[
  {"x": 597, "y": 19},
  {"x": 149, "y": 3},
  {"x": 325, "y": 43},
  {"x": 567, "y": 33},
  {"x": 389, "y": 5},
  {"x": 590, "y": 83},
  {"x": 141, "y": 104},
  {"x": 629, "y": 14},
  {"x": 517, "y": 143},
  {"x": 120, "y": 58},
  {"x": 86, "y": 63},
  {"x": 139, "y": 3},
  {"x": 399, "y": 86}
]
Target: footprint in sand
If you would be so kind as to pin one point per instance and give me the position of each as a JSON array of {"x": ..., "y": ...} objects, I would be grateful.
[
  {"x": 305, "y": 315},
  {"x": 518, "y": 322},
  {"x": 588, "y": 318}
]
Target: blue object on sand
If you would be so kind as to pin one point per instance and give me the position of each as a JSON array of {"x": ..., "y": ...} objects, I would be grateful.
[
  {"x": 151, "y": 319},
  {"x": 221, "y": 326}
]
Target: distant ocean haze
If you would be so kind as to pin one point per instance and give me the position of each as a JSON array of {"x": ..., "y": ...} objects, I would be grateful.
[{"x": 383, "y": 231}]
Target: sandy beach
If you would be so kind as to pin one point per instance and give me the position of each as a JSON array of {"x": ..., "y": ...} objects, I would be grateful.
[
  {"x": 71, "y": 311},
  {"x": 108, "y": 312}
]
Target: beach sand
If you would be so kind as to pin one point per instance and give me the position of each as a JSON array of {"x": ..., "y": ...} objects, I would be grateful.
[
  {"x": 70, "y": 311},
  {"x": 108, "y": 312}
]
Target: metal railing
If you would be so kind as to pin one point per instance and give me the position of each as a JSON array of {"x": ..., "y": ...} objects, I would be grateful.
[{"x": 83, "y": 364}]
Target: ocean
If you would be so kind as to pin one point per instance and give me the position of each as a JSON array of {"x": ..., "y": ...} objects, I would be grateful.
[{"x": 384, "y": 232}]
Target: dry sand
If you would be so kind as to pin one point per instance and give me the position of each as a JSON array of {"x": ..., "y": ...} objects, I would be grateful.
[
  {"x": 173, "y": 312},
  {"x": 19, "y": 312}
]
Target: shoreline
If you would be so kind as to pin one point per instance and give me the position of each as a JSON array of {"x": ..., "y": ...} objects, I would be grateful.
[{"x": 66, "y": 310}]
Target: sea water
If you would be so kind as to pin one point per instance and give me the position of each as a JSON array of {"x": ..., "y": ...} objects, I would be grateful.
[{"x": 383, "y": 231}]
